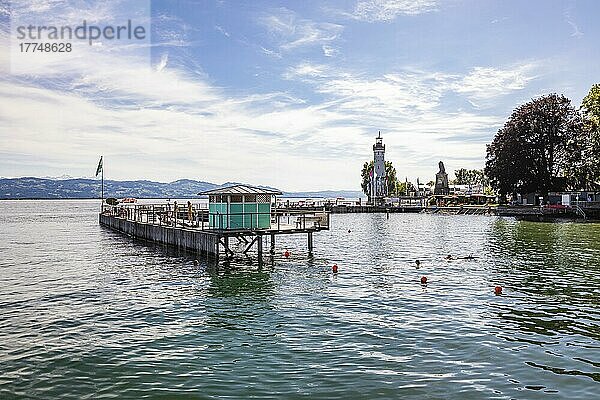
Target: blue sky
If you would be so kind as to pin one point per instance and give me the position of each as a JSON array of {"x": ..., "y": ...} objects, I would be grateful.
[{"x": 288, "y": 94}]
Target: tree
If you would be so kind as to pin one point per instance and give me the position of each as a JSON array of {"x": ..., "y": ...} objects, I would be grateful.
[
  {"x": 537, "y": 149},
  {"x": 405, "y": 188},
  {"x": 470, "y": 177},
  {"x": 390, "y": 172},
  {"x": 590, "y": 109}
]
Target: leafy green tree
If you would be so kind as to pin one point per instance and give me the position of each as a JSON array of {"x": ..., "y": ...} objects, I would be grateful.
[
  {"x": 538, "y": 149},
  {"x": 390, "y": 171},
  {"x": 590, "y": 109},
  {"x": 468, "y": 177},
  {"x": 405, "y": 188}
]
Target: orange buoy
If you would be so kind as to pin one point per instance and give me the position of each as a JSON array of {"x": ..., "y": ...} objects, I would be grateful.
[
  {"x": 423, "y": 280},
  {"x": 286, "y": 254},
  {"x": 335, "y": 268},
  {"x": 498, "y": 290}
]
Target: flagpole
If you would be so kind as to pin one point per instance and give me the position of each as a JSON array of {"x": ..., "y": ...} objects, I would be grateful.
[{"x": 102, "y": 199}]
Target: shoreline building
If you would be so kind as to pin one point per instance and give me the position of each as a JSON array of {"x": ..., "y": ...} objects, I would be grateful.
[{"x": 378, "y": 174}]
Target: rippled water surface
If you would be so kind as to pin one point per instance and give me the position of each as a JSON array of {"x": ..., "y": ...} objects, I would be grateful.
[{"x": 88, "y": 313}]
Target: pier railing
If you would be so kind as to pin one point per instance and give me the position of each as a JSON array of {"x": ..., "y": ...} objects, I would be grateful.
[{"x": 197, "y": 216}]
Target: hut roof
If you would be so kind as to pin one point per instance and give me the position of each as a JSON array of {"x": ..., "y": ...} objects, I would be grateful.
[{"x": 240, "y": 189}]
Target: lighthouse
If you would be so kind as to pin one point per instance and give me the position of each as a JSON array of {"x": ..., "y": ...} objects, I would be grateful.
[{"x": 379, "y": 178}]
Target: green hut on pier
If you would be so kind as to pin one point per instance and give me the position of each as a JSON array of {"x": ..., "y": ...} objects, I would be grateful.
[{"x": 240, "y": 207}]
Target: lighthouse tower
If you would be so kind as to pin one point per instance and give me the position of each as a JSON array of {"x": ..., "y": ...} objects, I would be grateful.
[{"x": 378, "y": 180}]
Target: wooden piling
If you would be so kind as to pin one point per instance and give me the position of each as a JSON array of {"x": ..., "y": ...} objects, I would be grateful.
[{"x": 260, "y": 249}]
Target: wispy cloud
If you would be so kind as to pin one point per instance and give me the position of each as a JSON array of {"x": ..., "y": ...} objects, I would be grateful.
[
  {"x": 222, "y": 30},
  {"x": 411, "y": 106},
  {"x": 291, "y": 32},
  {"x": 499, "y": 20},
  {"x": 571, "y": 21},
  {"x": 171, "y": 120},
  {"x": 387, "y": 10},
  {"x": 164, "y": 123},
  {"x": 417, "y": 89},
  {"x": 170, "y": 30},
  {"x": 270, "y": 52},
  {"x": 486, "y": 83},
  {"x": 329, "y": 51}
]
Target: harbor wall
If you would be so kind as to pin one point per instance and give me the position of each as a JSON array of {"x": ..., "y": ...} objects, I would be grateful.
[{"x": 187, "y": 239}]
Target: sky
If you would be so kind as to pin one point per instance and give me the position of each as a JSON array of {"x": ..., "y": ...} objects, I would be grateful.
[{"x": 285, "y": 94}]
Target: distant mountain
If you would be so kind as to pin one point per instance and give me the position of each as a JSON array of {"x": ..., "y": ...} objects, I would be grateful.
[{"x": 83, "y": 188}]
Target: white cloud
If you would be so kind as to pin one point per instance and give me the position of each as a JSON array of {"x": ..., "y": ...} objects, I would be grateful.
[
  {"x": 409, "y": 107},
  {"x": 387, "y": 10},
  {"x": 414, "y": 89},
  {"x": 571, "y": 21},
  {"x": 164, "y": 59},
  {"x": 271, "y": 53},
  {"x": 167, "y": 123},
  {"x": 222, "y": 30},
  {"x": 292, "y": 32},
  {"x": 486, "y": 83},
  {"x": 329, "y": 51},
  {"x": 305, "y": 69}
]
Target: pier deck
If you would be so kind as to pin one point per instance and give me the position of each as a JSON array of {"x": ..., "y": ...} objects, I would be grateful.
[{"x": 194, "y": 229}]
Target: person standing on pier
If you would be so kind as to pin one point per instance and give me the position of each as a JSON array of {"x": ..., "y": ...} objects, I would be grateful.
[{"x": 189, "y": 205}]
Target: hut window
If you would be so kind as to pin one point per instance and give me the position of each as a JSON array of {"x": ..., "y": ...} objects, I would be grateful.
[
  {"x": 236, "y": 198},
  {"x": 250, "y": 198},
  {"x": 263, "y": 198},
  {"x": 212, "y": 199}
]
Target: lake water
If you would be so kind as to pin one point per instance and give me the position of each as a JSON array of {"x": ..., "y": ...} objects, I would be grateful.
[{"x": 89, "y": 313}]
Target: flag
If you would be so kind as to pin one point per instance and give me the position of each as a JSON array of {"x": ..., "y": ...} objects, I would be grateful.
[{"x": 99, "y": 169}]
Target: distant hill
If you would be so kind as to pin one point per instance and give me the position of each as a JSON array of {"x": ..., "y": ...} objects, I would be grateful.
[{"x": 84, "y": 188}]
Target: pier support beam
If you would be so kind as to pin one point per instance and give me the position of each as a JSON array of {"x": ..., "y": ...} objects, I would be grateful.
[
  {"x": 250, "y": 244},
  {"x": 260, "y": 249},
  {"x": 272, "y": 250},
  {"x": 310, "y": 242},
  {"x": 228, "y": 251}
]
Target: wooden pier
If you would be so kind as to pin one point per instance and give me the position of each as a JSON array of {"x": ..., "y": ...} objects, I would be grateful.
[{"x": 193, "y": 228}]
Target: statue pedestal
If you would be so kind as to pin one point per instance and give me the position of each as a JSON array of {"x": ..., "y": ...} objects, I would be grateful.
[
  {"x": 441, "y": 184},
  {"x": 441, "y": 181}
]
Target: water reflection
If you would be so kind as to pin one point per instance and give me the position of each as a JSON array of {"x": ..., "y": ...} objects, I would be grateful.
[
  {"x": 252, "y": 284},
  {"x": 127, "y": 318},
  {"x": 554, "y": 279}
]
